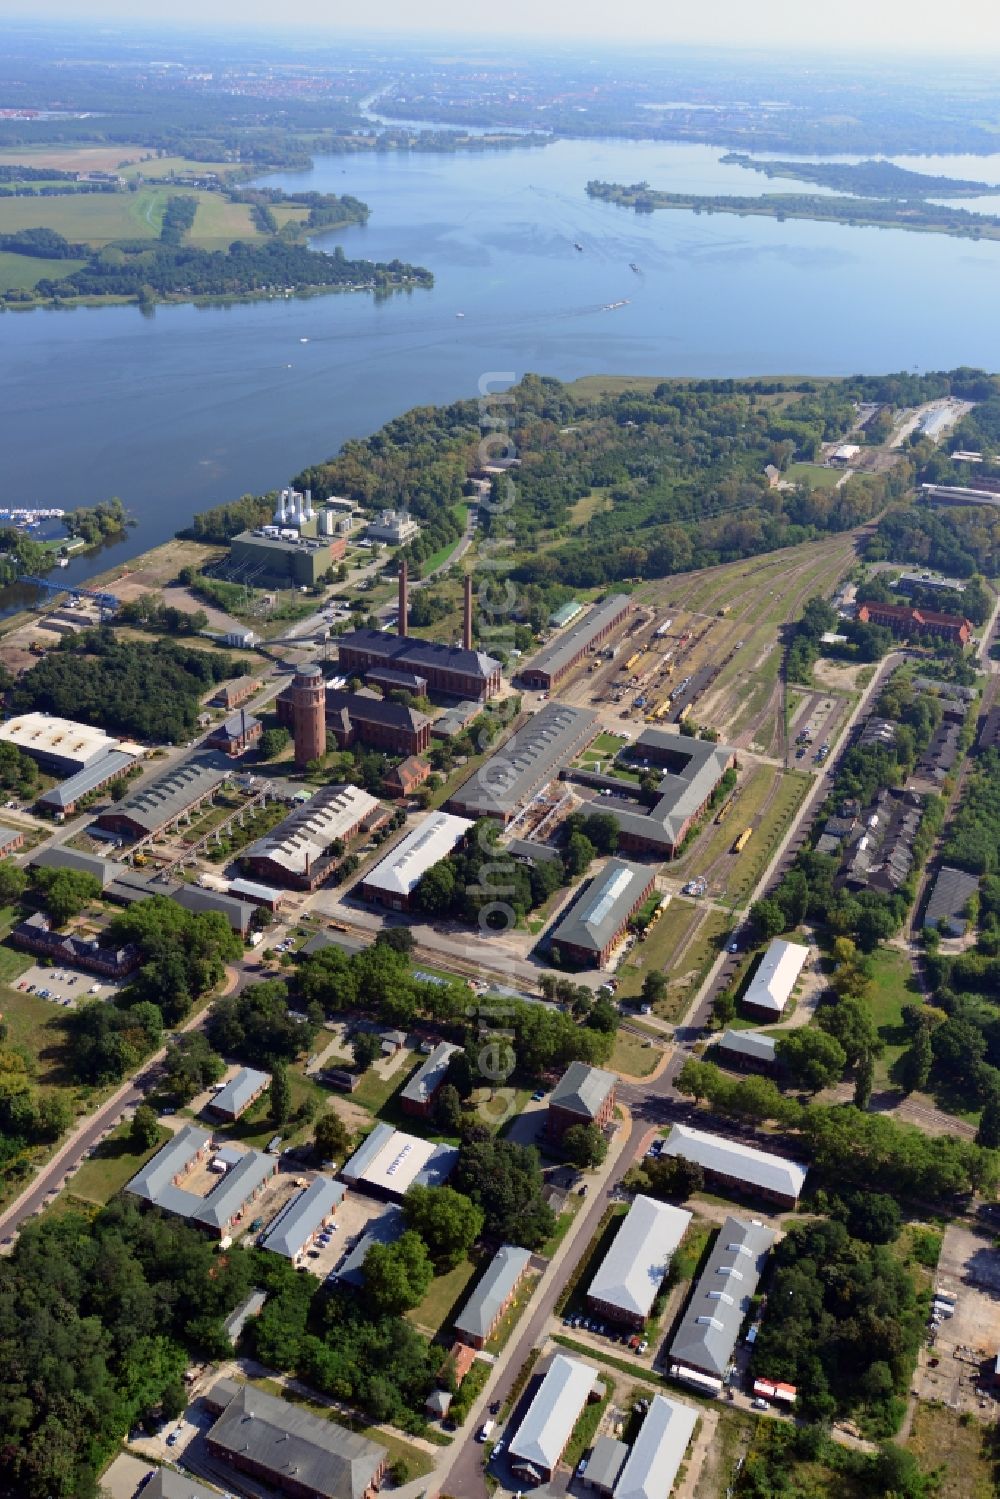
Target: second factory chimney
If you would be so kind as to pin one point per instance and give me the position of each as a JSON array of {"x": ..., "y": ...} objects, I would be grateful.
[
  {"x": 404, "y": 599},
  {"x": 467, "y": 614}
]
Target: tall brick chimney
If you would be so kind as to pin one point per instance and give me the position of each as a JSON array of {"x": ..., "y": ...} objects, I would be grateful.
[
  {"x": 467, "y": 614},
  {"x": 404, "y": 601}
]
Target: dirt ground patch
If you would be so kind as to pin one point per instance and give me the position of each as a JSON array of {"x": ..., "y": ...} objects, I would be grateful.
[
  {"x": 951, "y": 1368},
  {"x": 961, "y": 1452},
  {"x": 832, "y": 674},
  {"x": 354, "y": 1116}
]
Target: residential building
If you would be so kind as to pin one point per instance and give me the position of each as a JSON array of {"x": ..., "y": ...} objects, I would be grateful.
[
  {"x": 590, "y": 931},
  {"x": 729, "y": 1164},
  {"x": 750, "y": 1051},
  {"x": 283, "y": 561},
  {"x": 392, "y": 528},
  {"x": 770, "y": 989},
  {"x": 385, "y": 1229},
  {"x": 417, "y": 1098},
  {"x": 236, "y": 734},
  {"x": 365, "y": 718},
  {"x": 938, "y": 760},
  {"x": 525, "y": 765},
  {"x": 953, "y": 889},
  {"x": 235, "y": 693},
  {"x": 65, "y": 798},
  {"x": 35, "y": 935},
  {"x": 456, "y": 671},
  {"x": 910, "y": 583},
  {"x": 583, "y": 1095},
  {"x": 297, "y": 853},
  {"x": 394, "y": 879},
  {"x": 556, "y": 660},
  {"x": 58, "y": 744},
  {"x": 406, "y": 777},
  {"x": 242, "y": 1177},
  {"x": 658, "y": 1450},
  {"x": 171, "y": 798},
  {"x": 917, "y": 624},
  {"x": 484, "y": 1310},
  {"x": 633, "y": 1270},
  {"x": 289, "y": 1448},
  {"x": 605, "y": 1464},
  {"x": 882, "y": 856},
  {"x": 388, "y": 1162},
  {"x": 11, "y": 839},
  {"x": 304, "y": 1217},
  {"x": 171, "y": 1483},
  {"x": 242, "y": 1090},
  {"x": 537, "y": 1445},
  {"x": 703, "y": 1345}
]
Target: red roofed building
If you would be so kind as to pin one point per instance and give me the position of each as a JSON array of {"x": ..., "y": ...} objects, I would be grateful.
[{"x": 905, "y": 621}]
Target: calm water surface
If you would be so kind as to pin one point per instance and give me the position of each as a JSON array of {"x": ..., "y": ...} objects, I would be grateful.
[{"x": 192, "y": 406}]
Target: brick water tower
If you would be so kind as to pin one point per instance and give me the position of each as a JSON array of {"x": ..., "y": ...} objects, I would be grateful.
[{"x": 309, "y": 714}]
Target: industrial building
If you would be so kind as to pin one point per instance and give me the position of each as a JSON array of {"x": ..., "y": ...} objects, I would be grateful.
[
  {"x": 64, "y": 799},
  {"x": 169, "y": 799},
  {"x": 563, "y": 616},
  {"x": 392, "y": 680},
  {"x": 388, "y": 1162},
  {"x": 456, "y": 671},
  {"x": 636, "y": 1264},
  {"x": 235, "y": 693},
  {"x": 294, "y": 1451},
  {"x": 453, "y": 721},
  {"x": 236, "y": 734},
  {"x": 658, "y": 1450},
  {"x": 738, "y": 1167},
  {"x": 131, "y": 885},
  {"x": 481, "y": 1314},
  {"x": 394, "y": 879},
  {"x": 306, "y": 1215},
  {"x": 703, "y": 1345},
  {"x": 238, "y": 1094},
  {"x": 242, "y": 1176},
  {"x": 103, "y": 870},
  {"x": 607, "y": 1458},
  {"x": 417, "y": 1098},
  {"x": 276, "y": 561},
  {"x": 953, "y": 889},
  {"x": 538, "y": 1443},
  {"x": 693, "y": 770},
  {"x": 58, "y": 744},
  {"x": 525, "y": 765},
  {"x": 364, "y": 718},
  {"x": 583, "y": 1095},
  {"x": 916, "y": 624},
  {"x": 392, "y": 528},
  {"x": 556, "y": 660},
  {"x": 589, "y": 932},
  {"x": 770, "y": 989},
  {"x": 297, "y": 853}
]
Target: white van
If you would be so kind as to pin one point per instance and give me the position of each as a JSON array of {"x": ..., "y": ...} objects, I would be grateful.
[{"x": 486, "y": 1431}]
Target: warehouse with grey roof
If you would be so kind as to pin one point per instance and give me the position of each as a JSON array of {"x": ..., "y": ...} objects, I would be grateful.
[
  {"x": 167, "y": 800},
  {"x": 693, "y": 769},
  {"x": 556, "y": 660},
  {"x": 703, "y": 1345},
  {"x": 591, "y": 929},
  {"x": 526, "y": 763}
]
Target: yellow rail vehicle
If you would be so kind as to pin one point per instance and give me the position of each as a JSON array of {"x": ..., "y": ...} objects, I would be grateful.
[{"x": 742, "y": 840}]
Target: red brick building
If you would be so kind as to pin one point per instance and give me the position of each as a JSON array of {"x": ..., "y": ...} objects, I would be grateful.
[
  {"x": 583, "y": 1095},
  {"x": 363, "y": 718},
  {"x": 910, "y": 623},
  {"x": 407, "y": 776}
]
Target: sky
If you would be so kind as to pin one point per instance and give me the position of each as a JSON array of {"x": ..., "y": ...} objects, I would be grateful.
[{"x": 970, "y": 27}]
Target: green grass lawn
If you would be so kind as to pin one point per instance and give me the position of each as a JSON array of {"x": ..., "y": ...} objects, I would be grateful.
[
  {"x": 113, "y": 1163},
  {"x": 659, "y": 949},
  {"x": 23, "y": 272},
  {"x": 512, "y": 1315},
  {"x": 256, "y": 1127},
  {"x": 813, "y": 474},
  {"x": 633, "y": 1056},
  {"x": 565, "y": 1218},
  {"x": 586, "y": 1427},
  {"x": 446, "y": 1295},
  {"x": 36, "y": 1024},
  {"x": 374, "y": 1092},
  {"x": 892, "y": 987}
]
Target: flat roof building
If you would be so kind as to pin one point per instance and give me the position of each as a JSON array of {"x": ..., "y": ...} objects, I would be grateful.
[
  {"x": 636, "y": 1264},
  {"x": 301, "y": 1219},
  {"x": 556, "y": 660},
  {"x": 159, "y": 1182},
  {"x": 538, "y": 1443},
  {"x": 296, "y": 853},
  {"x": 591, "y": 929},
  {"x": 167, "y": 800},
  {"x": 238, "y": 1094},
  {"x": 731, "y": 1164},
  {"x": 284, "y": 561},
  {"x": 770, "y": 989},
  {"x": 297, "y": 1452},
  {"x": 583, "y": 1095},
  {"x": 418, "y": 1096},
  {"x": 389, "y": 1162},
  {"x": 480, "y": 1315},
  {"x": 658, "y": 1450},
  {"x": 703, "y": 1345},
  {"x": 525, "y": 765},
  {"x": 64, "y": 799},
  {"x": 394, "y": 878},
  {"x": 58, "y": 743}
]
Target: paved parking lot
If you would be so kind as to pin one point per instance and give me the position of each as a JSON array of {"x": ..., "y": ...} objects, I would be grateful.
[{"x": 64, "y": 986}]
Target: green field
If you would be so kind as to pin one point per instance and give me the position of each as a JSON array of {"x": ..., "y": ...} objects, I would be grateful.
[
  {"x": 112, "y": 1164},
  {"x": 25, "y": 271},
  {"x": 633, "y": 1056},
  {"x": 445, "y": 1298},
  {"x": 892, "y": 987},
  {"x": 99, "y": 219},
  {"x": 813, "y": 474}
]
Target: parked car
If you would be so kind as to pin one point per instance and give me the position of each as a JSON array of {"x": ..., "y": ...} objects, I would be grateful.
[{"x": 759, "y": 1404}]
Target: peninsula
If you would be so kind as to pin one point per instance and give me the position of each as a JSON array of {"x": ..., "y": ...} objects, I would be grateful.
[{"x": 866, "y": 179}]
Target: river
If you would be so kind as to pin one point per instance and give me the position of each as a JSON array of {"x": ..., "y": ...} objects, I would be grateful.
[{"x": 191, "y": 406}]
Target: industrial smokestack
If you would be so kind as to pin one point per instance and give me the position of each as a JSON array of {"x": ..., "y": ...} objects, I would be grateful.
[
  {"x": 467, "y": 614},
  {"x": 404, "y": 601}
]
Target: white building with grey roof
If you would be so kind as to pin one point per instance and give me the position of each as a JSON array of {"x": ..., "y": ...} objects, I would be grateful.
[
  {"x": 591, "y": 929},
  {"x": 538, "y": 1443},
  {"x": 388, "y": 1162},
  {"x": 702, "y": 1349},
  {"x": 633, "y": 1270},
  {"x": 480, "y": 1315},
  {"x": 728, "y": 1163},
  {"x": 658, "y": 1450}
]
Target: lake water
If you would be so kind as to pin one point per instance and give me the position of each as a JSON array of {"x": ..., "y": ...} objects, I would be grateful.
[{"x": 192, "y": 406}]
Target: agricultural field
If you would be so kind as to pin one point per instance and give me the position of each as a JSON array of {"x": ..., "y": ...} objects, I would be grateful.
[
  {"x": 99, "y": 219},
  {"x": 71, "y": 158},
  {"x": 25, "y": 271}
]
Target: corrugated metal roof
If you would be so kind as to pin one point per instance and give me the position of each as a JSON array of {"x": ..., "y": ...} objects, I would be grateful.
[
  {"x": 720, "y": 1302},
  {"x": 115, "y": 762},
  {"x": 169, "y": 797},
  {"x": 497, "y": 1285},
  {"x": 634, "y": 1268},
  {"x": 552, "y": 1414},
  {"x": 559, "y": 654},
  {"x": 302, "y": 838},
  {"x": 756, "y": 1168},
  {"x": 527, "y": 762},
  {"x": 658, "y": 1450},
  {"x": 433, "y": 840}
]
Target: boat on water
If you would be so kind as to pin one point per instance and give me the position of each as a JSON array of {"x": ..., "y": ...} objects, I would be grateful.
[
  {"x": 303, "y": 340},
  {"x": 460, "y": 314},
  {"x": 613, "y": 306},
  {"x": 577, "y": 245},
  {"x": 633, "y": 267}
]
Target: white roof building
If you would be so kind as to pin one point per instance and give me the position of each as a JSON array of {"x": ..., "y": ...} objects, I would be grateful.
[
  {"x": 771, "y": 987},
  {"x": 548, "y": 1425},
  {"x": 58, "y": 741},
  {"x": 399, "y": 873},
  {"x": 729, "y": 1161},
  {"x": 634, "y": 1268},
  {"x": 657, "y": 1451},
  {"x": 389, "y": 1162},
  {"x": 300, "y": 841}
]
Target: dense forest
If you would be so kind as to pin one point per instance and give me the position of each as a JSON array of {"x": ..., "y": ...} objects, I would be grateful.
[{"x": 868, "y": 179}]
